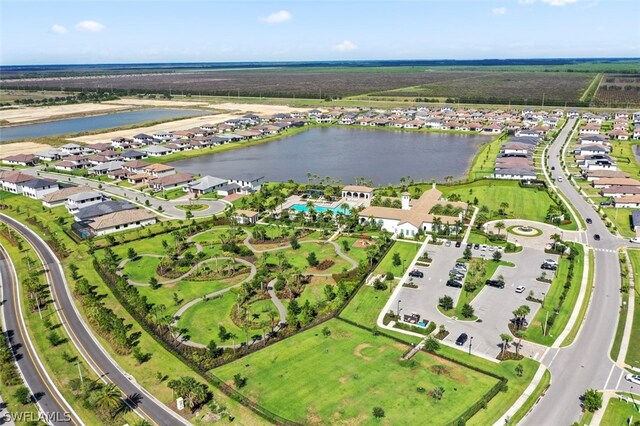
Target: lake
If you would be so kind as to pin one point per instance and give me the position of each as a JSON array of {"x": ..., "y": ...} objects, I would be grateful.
[
  {"x": 383, "y": 156},
  {"x": 96, "y": 122}
]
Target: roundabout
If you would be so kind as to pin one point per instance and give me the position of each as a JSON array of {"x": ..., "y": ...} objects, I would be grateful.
[{"x": 524, "y": 231}]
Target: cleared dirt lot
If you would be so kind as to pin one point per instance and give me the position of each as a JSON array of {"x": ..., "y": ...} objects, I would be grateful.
[
  {"x": 24, "y": 115},
  {"x": 155, "y": 103},
  {"x": 7, "y": 149}
]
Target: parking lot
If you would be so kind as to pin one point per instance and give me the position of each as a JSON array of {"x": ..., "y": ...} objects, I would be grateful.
[{"x": 493, "y": 306}]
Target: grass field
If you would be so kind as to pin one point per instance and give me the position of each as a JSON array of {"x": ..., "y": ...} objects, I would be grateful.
[
  {"x": 544, "y": 383},
  {"x": 585, "y": 303},
  {"x": 357, "y": 253},
  {"x": 618, "y": 412},
  {"x": 340, "y": 378},
  {"x": 204, "y": 319},
  {"x": 534, "y": 332},
  {"x": 524, "y": 203},
  {"x": 298, "y": 258},
  {"x": 633, "y": 351},
  {"x": 366, "y": 305},
  {"x": 622, "y": 220},
  {"x": 407, "y": 252}
]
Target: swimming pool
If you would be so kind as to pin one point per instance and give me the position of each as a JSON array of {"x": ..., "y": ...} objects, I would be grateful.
[{"x": 319, "y": 209}]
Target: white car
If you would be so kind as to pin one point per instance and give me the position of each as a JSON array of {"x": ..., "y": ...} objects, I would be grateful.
[
  {"x": 484, "y": 247},
  {"x": 491, "y": 248},
  {"x": 635, "y": 240},
  {"x": 551, "y": 261},
  {"x": 520, "y": 289},
  {"x": 633, "y": 378}
]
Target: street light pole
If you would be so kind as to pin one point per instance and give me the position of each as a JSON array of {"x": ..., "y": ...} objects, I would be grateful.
[
  {"x": 544, "y": 297},
  {"x": 398, "y": 311},
  {"x": 470, "y": 342}
]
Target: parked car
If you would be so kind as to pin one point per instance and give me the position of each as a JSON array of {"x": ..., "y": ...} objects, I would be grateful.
[
  {"x": 462, "y": 339},
  {"x": 461, "y": 266},
  {"x": 416, "y": 273},
  {"x": 476, "y": 246},
  {"x": 551, "y": 261},
  {"x": 596, "y": 237},
  {"x": 553, "y": 167},
  {"x": 491, "y": 248},
  {"x": 520, "y": 289},
  {"x": 589, "y": 221},
  {"x": 605, "y": 203},
  {"x": 456, "y": 275},
  {"x": 559, "y": 178},
  {"x": 549, "y": 267},
  {"x": 495, "y": 283},
  {"x": 633, "y": 378},
  {"x": 458, "y": 244},
  {"x": 454, "y": 283},
  {"x": 484, "y": 247},
  {"x": 448, "y": 243},
  {"x": 635, "y": 240}
]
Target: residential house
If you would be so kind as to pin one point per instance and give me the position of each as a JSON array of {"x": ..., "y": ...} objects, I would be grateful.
[
  {"x": 38, "y": 188},
  {"x": 59, "y": 197},
  {"x": 249, "y": 183},
  {"x": 72, "y": 149},
  {"x": 20, "y": 160},
  {"x": 166, "y": 183},
  {"x": 157, "y": 151},
  {"x": 205, "y": 185},
  {"x": 81, "y": 200},
  {"x": 13, "y": 181},
  {"x": 120, "y": 221},
  {"x": 245, "y": 217},
  {"x": 159, "y": 170}
]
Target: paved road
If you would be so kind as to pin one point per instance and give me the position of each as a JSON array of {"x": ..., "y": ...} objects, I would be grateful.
[
  {"x": 81, "y": 335},
  {"x": 51, "y": 404},
  {"x": 586, "y": 363},
  {"x": 168, "y": 207}
]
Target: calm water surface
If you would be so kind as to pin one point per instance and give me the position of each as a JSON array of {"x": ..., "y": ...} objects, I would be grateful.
[
  {"x": 344, "y": 153},
  {"x": 84, "y": 124}
]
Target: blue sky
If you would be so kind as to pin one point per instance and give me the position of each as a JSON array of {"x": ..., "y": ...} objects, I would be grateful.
[{"x": 59, "y": 32}]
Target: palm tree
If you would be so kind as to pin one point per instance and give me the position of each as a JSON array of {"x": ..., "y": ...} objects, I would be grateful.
[
  {"x": 108, "y": 397},
  {"x": 436, "y": 224},
  {"x": 500, "y": 226},
  {"x": 519, "y": 335},
  {"x": 459, "y": 225},
  {"x": 505, "y": 338},
  {"x": 504, "y": 206}
]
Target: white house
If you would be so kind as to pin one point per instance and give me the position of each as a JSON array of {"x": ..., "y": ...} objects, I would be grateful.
[
  {"x": 245, "y": 217},
  {"x": 205, "y": 185},
  {"x": 72, "y": 149},
  {"x": 38, "y": 188},
  {"x": 120, "y": 221},
  {"x": 81, "y": 200},
  {"x": 14, "y": 181}
]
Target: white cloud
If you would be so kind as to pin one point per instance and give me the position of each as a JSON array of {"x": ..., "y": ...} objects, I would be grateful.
[
  {"x": 279, "y": 17},
  {"x": 345, "y": 46},
  {"x": 558, "y": 2},
  {"x": 549, "y": 2},
  {"x": 58, "y": 29},
  {"x": 499, "y": 10},
  {"x": 90, "y": 26}
]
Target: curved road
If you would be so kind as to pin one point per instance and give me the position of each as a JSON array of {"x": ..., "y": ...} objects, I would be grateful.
[
  {"x": 93, "y": 353},
  {"x": 585, "y": 363},
  {"x": 52, "y": 405}
]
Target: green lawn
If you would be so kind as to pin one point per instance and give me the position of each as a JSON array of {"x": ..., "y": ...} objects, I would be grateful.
[
  {"x": 484, "y": 161},
  {"x": 366, "y": 305},
  {"x": 204, "y": 319},
  {"x": 544, "y": 383},
  {"x": 142, "y": 269},
  {"x": 618, "y": 412},
  {"x": 171, "y": 194},
  {"x": 259, "y": 310},
  {"x": 340, "y": 378},
  {"x": 314, "y": 291},
  {"x": 186, "y": 291},
  {"x": 298, "y": 258},
  {"x": 357, "y": 252},
  {"x": 626, "y": 160},
  {"x": 524, "y": 203},
  {"x": 622, "y": 220},
  {"x": 475, "y": 238},
  {"x": 585, "y": 303},
  {"x": 534, "y": 332},
  {"x": 633, "y": 352},
  {"x": 407, "y": 252}
]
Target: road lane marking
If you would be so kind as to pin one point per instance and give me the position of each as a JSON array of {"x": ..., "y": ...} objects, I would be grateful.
[
  {"x": 609, "y": 376},
  {"x": 619, "y": 379}
]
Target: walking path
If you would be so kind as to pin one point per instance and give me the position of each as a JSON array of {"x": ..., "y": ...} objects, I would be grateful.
[
  {"x": 628, "y": 325},
  {"x": 471, "y": 222}
]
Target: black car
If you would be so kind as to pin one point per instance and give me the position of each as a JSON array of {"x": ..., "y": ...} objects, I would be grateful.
[
  {"x": 553, "y": 167},
  {"x": 458, "y": 244},
  {"x": 416, "y": 273},
  {"x": 596, "y": 237},
  {"x": 495, "y": 283},
  {"x": 589, "y": 221},
  {"x": 462, "y": 339},
  {"x": 549, "y": 266},
  {"x": 461, "y": 266},
  {"x": 476, "y": 246},
  {"x": 469, "y": 246},
  {"x": 605, "y": 203},
  {"x": 454, "y": 283}
]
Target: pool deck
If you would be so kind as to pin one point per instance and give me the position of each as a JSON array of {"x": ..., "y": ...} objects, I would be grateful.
[{"x": 297, "y": 199}]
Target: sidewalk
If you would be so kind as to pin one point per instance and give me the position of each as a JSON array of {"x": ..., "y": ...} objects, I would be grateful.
[
  {"x": 597, "y": 416},
  {"x": 628, "y": 325},
  {"x": 523, "y": 398}
]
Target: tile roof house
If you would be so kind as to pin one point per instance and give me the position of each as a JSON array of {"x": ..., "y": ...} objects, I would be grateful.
[
  {"x": 60, "y": 196},
  {"x": 120, "y": 221},
  {"x": 20, "y": 160},
  {"x": 38, "y": 188}
]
